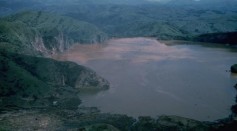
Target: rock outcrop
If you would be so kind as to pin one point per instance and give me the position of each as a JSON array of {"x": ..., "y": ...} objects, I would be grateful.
[
  {"x": 233, "y": 68},
  {"x": 28, "y": 81},
  {"x": 43, "y": 34}
]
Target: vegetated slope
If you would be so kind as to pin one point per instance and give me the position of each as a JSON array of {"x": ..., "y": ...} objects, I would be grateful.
[
  {"x": 45, "y": 33},
  {"x": 153, "y": 20},
  {"x": 28, "y": 81},
  {"x": 169, "y": 20}
]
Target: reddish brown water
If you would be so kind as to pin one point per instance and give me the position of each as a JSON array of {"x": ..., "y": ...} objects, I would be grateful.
[{"x": 151, "y": 78}]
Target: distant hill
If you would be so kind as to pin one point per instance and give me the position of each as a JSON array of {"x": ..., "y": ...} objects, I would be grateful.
[
  {"x": 204, "y": 4},
  {"x": 42, "y": 33},
  {"x": 153, "y": 20},
  {"x": 8, "y": 7},
  {"x": 164, "y": 19}
]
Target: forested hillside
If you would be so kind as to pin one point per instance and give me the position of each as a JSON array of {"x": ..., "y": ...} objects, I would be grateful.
[{"x": 41, "y": 33}]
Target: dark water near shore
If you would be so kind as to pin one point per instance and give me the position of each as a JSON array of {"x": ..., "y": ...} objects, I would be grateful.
[{"x": 148, "y": 77}]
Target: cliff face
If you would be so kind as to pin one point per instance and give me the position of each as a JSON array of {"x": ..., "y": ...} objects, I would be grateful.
[
  {"x": 28, "y": 81},
  {"x": 61, "y": 73},
  {"x": 39, "y": 33},
  {"x": 49, "y": 46}
]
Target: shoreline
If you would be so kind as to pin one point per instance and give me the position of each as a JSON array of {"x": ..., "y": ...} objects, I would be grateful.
[
  {"x": 77, "y": 116},
  {"x": 162, "y": 42}
]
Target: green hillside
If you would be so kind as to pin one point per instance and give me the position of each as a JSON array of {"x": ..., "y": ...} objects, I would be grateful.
[
  {"x": 163, "y": 22},
  {"x": 27, "y": 81},
  {"x": 40, "y": 33},
  {"x": 135, "y": 18}
]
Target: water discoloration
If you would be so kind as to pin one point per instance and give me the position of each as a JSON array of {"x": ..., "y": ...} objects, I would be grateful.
[{"x": 148, "y": 77}]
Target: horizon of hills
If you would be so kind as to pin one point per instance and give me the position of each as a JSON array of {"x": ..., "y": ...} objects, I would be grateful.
[
  {"x": 163, "y": 21},
  {"x": 194, "y": 4}
]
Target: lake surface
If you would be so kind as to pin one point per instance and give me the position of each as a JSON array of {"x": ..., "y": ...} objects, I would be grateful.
[{"x": 150, "y": 78}]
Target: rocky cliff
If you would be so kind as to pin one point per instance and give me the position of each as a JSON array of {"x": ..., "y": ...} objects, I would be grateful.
[
  {"x": 27, "y": 81},
  {"x": 39, "y": 33}
]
